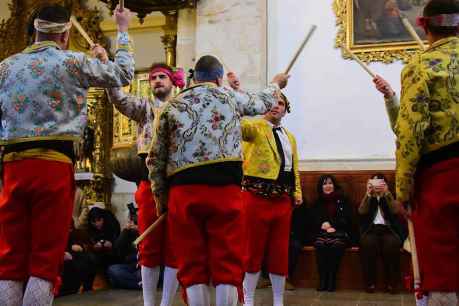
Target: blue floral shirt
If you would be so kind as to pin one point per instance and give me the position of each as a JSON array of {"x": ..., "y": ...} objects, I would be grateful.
[{"x": 43, "y": 90}]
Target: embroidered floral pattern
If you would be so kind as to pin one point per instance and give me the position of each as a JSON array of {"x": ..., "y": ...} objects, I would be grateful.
[
  {"x": 36, "y": 68},
  {"x": 20, "y": 103},
  {"x": 429, "y": 109},
  {"x": 200, "y": 125},
  {"x": 44, "y": 80}
]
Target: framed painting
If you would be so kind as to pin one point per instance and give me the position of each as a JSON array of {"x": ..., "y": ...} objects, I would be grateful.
[{"x": 373, "y": 29}]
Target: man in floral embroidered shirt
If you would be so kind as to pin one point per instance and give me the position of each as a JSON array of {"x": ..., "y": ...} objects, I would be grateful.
[
  {"x": 195, "y": 169},
  {"x": 43, "y": 112},
  {"x": 155, "y": 250},
  {"x": 428, "y": 150}
]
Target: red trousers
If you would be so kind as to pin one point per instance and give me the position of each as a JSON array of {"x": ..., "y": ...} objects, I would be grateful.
[
  {"x": 436, "y": 225},
  {"x": 209, "y": 234},
  {"x": 268, "y": 227},
  {"x": 156, "y": 249},
  {"x": 35, "y": 217}
]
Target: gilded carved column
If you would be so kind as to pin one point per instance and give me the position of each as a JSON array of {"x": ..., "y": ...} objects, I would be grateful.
[
  {"x": 169, "y": 39},
  {"x": 100, "y": 119}
]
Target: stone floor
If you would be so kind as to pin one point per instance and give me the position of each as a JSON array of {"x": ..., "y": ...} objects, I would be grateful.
[{"x": 297, "y": 297}]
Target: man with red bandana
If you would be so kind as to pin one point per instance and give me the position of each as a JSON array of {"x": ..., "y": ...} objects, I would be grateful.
[{"x": 155, "y": 249}]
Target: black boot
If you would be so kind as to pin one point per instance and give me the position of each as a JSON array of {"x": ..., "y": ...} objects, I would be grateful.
[
  {"x": 335, "y": 259},
  {"x": 331, "y": 285},
  {"x": 323, "y": 283},
  {"x": 322, "y": 267}
]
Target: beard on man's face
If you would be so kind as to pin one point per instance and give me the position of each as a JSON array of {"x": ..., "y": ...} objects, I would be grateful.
[{"x": 162, "y": 92}]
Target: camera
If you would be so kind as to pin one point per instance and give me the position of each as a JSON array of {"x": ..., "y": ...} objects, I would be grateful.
[{"x": 132, "y": 213}]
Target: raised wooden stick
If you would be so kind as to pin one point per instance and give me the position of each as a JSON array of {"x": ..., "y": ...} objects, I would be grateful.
[
  {"x": 413, "y": 33},
  {"x": 83, "y": 33},
  {"x": 300, "y": 49},
  {"x": 150, "y": 229},
  {"x": 361, "y": 63},
  {"x": 121, "y": 5}
]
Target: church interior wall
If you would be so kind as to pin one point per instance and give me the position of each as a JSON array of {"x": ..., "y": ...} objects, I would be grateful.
[{"x": 338, "y": 117}]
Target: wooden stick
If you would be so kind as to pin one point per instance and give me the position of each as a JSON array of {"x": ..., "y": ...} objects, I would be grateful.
[
  {"x": 413, "y": 33},
  {"x": 83, "y": 33},
  {"x": 415, "y": 263},
  {"x": 361, "y": 63},
  {"x": 300, "y": 49},
  {"x": 121, "y": 5},
  {"x": 414, "y": 254},
  {"x": 150, "y": 229}
]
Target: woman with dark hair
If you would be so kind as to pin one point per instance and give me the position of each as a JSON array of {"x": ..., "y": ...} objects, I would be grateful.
[
  {"x": 103, "y": 230},
  {"x": 333, "y": 220},
  {"x": 381, "y": 234}
]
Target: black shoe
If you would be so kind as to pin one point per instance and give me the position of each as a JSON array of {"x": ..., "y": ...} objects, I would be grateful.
[
  {"x": 322, "y": 287},
  {"x": 370, "y": 289}
]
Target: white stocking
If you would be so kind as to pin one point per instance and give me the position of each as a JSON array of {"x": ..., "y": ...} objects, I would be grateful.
[
  {"x": 278, "y": 283},
  {"x": 170, "y": 285},
  {"x": 226, "y": 295},
  {"x": 150, "y": 277},
  {"x": 250, "y": 284},
  {"x": 198, "y": 295},
  {"x": 11, "y": 293},
  {"x": 39, "y": 292}
]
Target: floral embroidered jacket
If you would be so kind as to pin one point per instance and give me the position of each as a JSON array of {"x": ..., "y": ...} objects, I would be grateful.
[
  {"x": 261, "y": 157},
  {"x": 141, "y": 110},
  {"x": 429, "y": 109},
  {"x": 201, "y": 126},
  {"x": 43, "y": 90}
]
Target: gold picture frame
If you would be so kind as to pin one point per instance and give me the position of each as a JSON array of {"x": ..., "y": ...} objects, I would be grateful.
[
  {"x": 125, "y": 129},
  {"x": 391, "y": 43}
]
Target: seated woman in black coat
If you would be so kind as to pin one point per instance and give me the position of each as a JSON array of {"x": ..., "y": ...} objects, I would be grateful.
[
  {"x": 333, "y": 226},
  {"x": 103, "y": 230},
  {"x": 382, "y": 233}
]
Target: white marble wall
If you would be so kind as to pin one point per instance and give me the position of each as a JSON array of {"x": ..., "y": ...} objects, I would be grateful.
[
  {"x": 186, "y": 38},
  {"x": 235, "y": 32}
]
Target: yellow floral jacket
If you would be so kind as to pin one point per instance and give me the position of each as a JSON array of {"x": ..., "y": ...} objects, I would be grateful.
[
  {"x": 429, "y": 109},
  {"x": 260, "y": 156}
]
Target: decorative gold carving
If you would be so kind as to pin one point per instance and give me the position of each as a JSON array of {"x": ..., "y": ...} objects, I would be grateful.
[
  {"x": 125, "y": 129},
  {"x": 384, "y": 52},
  {"x": 145, "y": 7},
  {"x": 169, "y": 39},
  {"x": 14, "y": 37}
]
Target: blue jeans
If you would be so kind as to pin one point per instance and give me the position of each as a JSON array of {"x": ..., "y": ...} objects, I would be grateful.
[{"x": 124, "y": 276}]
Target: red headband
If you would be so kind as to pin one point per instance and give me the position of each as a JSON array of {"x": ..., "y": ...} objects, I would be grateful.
[
  {"x": 443, "y": 20},
  {"x": 177, "y": 75}
]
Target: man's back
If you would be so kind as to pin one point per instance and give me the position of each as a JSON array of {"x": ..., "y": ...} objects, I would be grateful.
[
  {"x": 203, "y": 127},
  {"x": 43, "y": 90}
]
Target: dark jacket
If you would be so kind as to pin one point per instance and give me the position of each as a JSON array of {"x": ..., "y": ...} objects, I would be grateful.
[
  {"x": 369, "y": 208},
  {"x": 342, "y": 222},
  {"x": 110, "y": 230}
]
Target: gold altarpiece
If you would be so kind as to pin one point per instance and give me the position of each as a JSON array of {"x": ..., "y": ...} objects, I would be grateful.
[{"x": 110, "y": 128}]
